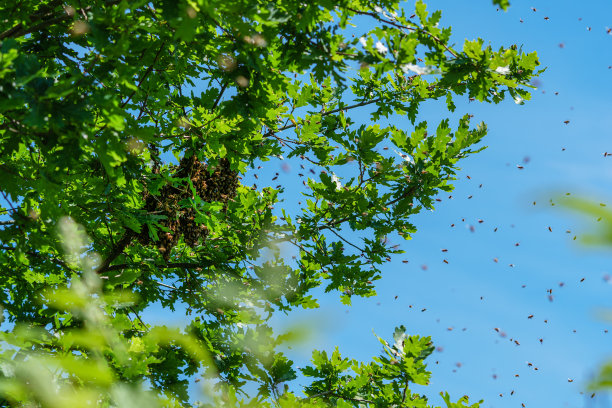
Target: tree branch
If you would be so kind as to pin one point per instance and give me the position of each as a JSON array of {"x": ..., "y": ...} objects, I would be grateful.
[
  {"x": 221, "y": 91},
  {"x": 116, "y": 251},
  {"x": 38, "y": 255},
  {"x": 401, "y": 27},
  {"x": 331, "y": 112},
  {"x": 168, "y": 286},
  {"x": 405, "y": 393},
  {"x": 332, "y": 393},
  {"x": 170, "y": 265},
  {"x": 332, "y": 224},
  {"x": 345, "y": 240},
  {"x": 138, "y": 317},
  {"x": 146, "y": 73},
  {"x": 19, "y": 30}
]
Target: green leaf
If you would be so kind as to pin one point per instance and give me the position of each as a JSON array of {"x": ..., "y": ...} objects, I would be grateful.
[
  {"x": 503, "y": 4},
  {"x": 421, "y": 11}
]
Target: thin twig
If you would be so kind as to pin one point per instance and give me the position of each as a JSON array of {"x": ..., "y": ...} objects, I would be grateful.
[
  {"x": 332, "y": 224},
  {"x": 116, "y": 251},
  {"x": 170, "y": 265},
  {"x": 220, "y": 95},
  {"x": 38, "y": 255},
  {"x": 146, "y": 73},
  {"x": 18, "y": 29},
  {"x": 168, "y": 286},
  {"x": 405, "y": 391},
  {"x": 396, "y": 25},
  {"x": 138, "y": 317},
  {"x": 334, "y": 394},
  {"x": 331, "y": 112},
  {"x": 348, "y": 242}
]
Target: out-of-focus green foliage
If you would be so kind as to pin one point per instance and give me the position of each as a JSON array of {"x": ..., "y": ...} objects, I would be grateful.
[
  {"x": 602, "y": 215},
  {"x": 130, "y": 137},
  {"x": 601, "y": 235}
]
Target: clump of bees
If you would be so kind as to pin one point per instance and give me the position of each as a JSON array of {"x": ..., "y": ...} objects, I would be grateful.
[{"x": 217, "y": 184}]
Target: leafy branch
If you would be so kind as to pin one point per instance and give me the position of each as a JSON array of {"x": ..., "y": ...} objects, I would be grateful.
[{"x": 402, "y": 27}]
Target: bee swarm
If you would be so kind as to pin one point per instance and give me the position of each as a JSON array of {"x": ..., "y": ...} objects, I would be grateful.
[{"x": 216, "y": 186}]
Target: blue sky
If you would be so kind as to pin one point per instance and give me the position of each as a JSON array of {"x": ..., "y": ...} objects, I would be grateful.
[{"x": 556, "y": 158}]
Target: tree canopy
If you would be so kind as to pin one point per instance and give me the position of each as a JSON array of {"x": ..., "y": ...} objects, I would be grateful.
[{"x": 130, "y": 137}]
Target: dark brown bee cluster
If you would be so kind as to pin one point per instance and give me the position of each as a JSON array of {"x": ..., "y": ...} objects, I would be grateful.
[{"x": 216, "y": 186}]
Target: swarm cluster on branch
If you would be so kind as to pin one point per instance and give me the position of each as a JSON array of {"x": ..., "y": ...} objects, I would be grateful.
[{"x": 211, "y": 185}]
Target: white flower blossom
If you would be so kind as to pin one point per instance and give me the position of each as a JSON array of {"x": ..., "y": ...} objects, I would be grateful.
[
  {"x": 417, "y": 69},
  {"x": 502, "y": 70},
  {"x": 518, "y": 100},
  {"x": 336, "y": 180},
  {"x": 378, "y": 9},
  {"x": 363, "y": 42},
  {"x": 380, "y": 47}
]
